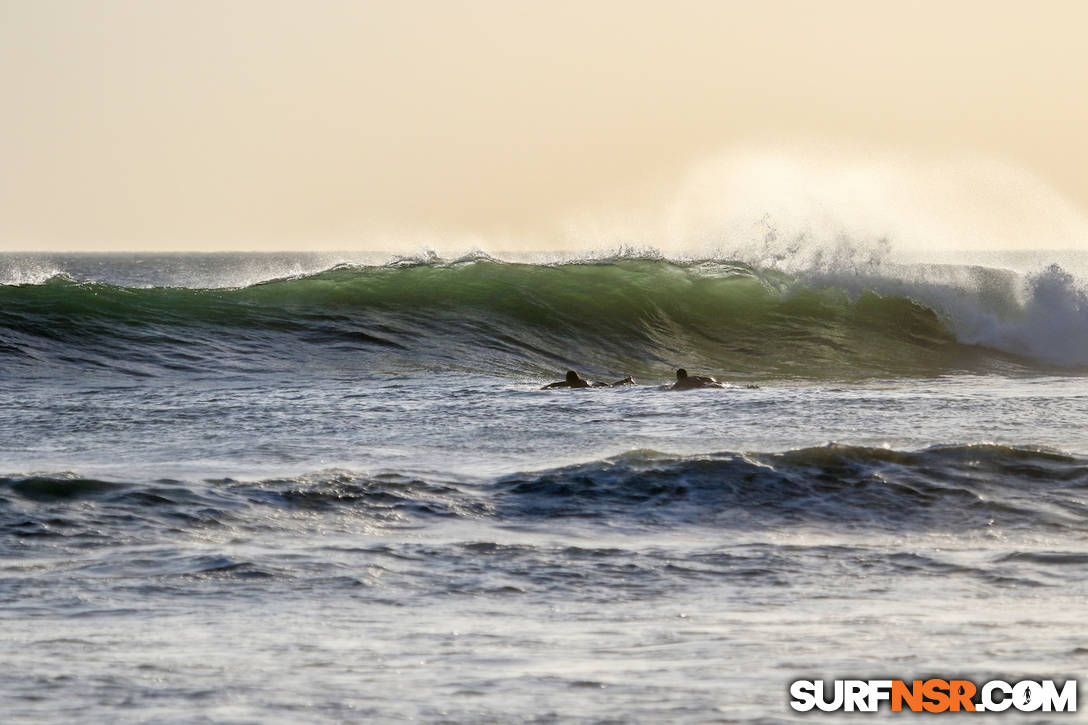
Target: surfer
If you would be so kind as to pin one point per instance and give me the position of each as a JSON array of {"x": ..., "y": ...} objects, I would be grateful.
[
  {"x": 574, "y": 380},
  {"x": 690, "y": 382}
]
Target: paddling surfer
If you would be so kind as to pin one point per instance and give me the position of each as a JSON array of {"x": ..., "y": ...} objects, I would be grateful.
[
  {"x": 691, "y": 382},
  {"x": 574, "y": 380}
]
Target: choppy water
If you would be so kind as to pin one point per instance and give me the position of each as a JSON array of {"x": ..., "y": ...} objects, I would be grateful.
[{"x": 232, "y": 495}]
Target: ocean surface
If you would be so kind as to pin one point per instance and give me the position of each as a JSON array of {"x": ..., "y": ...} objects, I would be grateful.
[{"x": 303, "y": 488}]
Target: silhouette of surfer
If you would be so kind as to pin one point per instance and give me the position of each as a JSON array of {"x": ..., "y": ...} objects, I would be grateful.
[
  {"x": 691, "y": 382},
  {"x": 574, "y": 380}
]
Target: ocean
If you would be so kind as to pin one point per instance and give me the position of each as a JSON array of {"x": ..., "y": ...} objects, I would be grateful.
[{"x": 283, "y": 488}]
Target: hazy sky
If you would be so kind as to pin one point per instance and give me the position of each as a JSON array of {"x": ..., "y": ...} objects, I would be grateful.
[{"x": 242, "y": 124}]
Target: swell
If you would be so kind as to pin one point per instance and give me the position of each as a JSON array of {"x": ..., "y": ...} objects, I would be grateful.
[
  {"x": 639, "y": 316},
  {"x": 942, "y": 487},
  {"x": 975, "y": 488}
]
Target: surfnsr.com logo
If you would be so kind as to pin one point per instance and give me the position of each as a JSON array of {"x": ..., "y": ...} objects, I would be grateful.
[{"x": 933, "y": 695}]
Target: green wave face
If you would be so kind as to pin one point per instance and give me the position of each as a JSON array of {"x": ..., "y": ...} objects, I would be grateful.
[{"x": 640, "y": 317}]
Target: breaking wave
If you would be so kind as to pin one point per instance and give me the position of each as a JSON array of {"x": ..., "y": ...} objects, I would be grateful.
[{"x": 638, "y": 315}]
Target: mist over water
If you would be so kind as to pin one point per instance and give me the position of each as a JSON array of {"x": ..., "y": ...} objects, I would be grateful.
[{"x": 816, "y": 196}]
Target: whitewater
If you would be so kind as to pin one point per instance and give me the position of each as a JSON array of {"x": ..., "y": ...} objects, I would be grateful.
[{"x": 329, "y": 488}]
